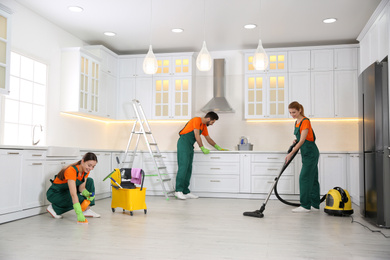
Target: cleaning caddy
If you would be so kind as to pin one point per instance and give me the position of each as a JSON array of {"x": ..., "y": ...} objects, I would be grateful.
[{"x": 125, "y": 194}]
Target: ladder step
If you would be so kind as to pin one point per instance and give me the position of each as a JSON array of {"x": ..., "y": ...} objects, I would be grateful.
[
  {"x": 152, "y": 143},
  {"x": 140, "y": 133},
  {"x": 171, "y": 192},
  {"x": 162, "y": 167},
  {"x": 157, "y": 155},
  {"x": 167, "y": 179}
]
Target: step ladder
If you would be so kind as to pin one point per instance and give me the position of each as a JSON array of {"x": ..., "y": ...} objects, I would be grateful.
[{"x": 142, "y": 127}]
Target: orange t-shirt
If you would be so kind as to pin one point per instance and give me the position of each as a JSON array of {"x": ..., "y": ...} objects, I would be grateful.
[
  {"x": 71, "y": 174},
  {"x": 195, "y": 123},
  {"x": 306, "y": 125}
]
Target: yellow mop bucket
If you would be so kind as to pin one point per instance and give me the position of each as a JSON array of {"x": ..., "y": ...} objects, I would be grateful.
[{"x": 127, "y": 199}]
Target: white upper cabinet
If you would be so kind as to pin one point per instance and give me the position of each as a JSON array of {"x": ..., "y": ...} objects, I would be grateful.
[
  {"x": 298, "y": 61},
  {"x": 178, "y": 65},
  {"x": 80, "y": 82},
  {"x": 322, "y": 94},
  {"x": 109, "y": 60},
  {"x": 321, "y": 60},
  {"x": 346, "y": 93},
  {"x": 5, "y": 51},
  {"x": 132, "y": 66},
  {"x": 300, "y": 89},
  {"x": 345, "y": 59},
  {"x": 277, "y": 62}
]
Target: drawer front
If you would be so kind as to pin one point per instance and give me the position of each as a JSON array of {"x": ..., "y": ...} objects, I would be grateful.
[
  {"x": 215, "y": 183},
  {"x": 215, "y": 168},
  {"x": 199, "y": 157},
  {"x": 268, "y": 157},
  {"x": 271, "y": 169},
  {"x": 149, "y": 168},
  {"x": 153, "y": 182},
  {"x": 34, "y": 155},
  {"x": 263, "y": 184}
]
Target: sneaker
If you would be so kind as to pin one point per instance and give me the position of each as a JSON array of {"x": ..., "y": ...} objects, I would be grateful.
[
  {"x": 301, "y": 210},
  {"x": 314, "y": 209},
  {"x": 89, "y": 213},
  {"x": 180, "y": 195},
  {"x": 191, "y": 196},
  {"x": 52, "y": 212}
]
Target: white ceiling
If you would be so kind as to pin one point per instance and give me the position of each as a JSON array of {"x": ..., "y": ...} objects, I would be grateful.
[{"x": 283, "y": 23}]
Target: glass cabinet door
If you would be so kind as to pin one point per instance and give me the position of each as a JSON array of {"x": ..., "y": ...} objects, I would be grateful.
[
  {"x": 255, "y": 96},
  {"x": 4, "y": 51},
  {"x": 94, "y": 90},
  {"x": 161, "y": 97},
  {"x": 182, "y": 98},
  {"x": 84, "y": 79},
  {"x": 277, "y": 97},
  {"x": 164, "y": 64}
]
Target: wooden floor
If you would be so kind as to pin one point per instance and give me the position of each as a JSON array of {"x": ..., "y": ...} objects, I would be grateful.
[{"x": 206, "y": 228}]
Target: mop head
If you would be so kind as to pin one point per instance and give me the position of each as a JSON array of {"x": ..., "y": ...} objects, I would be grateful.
[
  {"x": 83, "y": 223},
  {"x": 256, "y": 214}
]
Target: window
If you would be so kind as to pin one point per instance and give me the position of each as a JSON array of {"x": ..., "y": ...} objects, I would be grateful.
[{"x": 24, "y": 109}]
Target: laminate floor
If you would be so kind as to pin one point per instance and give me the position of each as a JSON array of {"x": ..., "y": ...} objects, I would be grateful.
[{"x": 204, "y": 228}]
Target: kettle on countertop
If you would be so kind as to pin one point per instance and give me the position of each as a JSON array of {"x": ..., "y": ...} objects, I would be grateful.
[{"x": 244, "y": 144}]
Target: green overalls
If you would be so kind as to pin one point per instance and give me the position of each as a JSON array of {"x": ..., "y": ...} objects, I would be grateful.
[
  {"x": 185, "y": 156},
  {"x": 59, "y": 194},
  {"x": 308, "y": 179}
]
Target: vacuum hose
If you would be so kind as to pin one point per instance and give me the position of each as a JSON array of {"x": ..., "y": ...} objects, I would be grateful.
[{"x": 277, "y": 179}]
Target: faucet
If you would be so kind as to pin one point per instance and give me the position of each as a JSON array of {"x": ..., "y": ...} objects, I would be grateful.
[{"x": 33, "y": 135}]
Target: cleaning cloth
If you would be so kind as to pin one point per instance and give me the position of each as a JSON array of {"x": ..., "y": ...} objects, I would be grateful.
[{"x": 136, "y": 175}]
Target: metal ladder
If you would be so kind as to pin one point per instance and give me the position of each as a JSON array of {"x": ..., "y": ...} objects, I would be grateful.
[{"x": 142, "y": 127}]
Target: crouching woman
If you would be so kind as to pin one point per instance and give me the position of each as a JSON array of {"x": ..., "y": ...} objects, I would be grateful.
[{"x": 71, "y": 187}]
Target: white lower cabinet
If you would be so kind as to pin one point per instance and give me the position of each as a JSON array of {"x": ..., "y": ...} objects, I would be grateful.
[
  {"x": 332, "y": 172},
  {"x": 102, "y": 169},
  {"x": 33, "y": 179},
  {"x": 152, "y": 182},
  {"x": 264, "y": 169},
  {"x": 10, "y": 186},
  {"x": 216, "y": 172},
  {"x": 353, "y": 178}
]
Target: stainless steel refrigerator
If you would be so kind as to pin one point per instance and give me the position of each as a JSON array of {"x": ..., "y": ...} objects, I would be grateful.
[{"x": 374, "y": 144}]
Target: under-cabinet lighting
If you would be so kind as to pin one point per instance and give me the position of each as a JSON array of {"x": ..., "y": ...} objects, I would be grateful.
[
  {"x": 76, "y": 9},
  {"x": 329, "y": 20},
  {"x": 311, "y": 119}
]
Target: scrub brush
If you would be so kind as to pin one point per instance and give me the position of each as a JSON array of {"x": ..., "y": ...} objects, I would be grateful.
[{"x": 83, "y": 222}]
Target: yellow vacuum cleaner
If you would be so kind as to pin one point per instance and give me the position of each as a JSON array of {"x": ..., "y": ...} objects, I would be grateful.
[{"x": 338, "y": 202}]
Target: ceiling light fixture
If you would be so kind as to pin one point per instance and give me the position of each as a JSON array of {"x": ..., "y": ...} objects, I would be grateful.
[
  {"x": 203, "y": 61},
  {"x": 76, "y": 9},
  {"x": 260, "y": 58},
  {"x": 250, "y": 26},
  {"x": 150, "y": 65},
  {"x": 177, "y": 30},
  {"x": 109, "y": 34},
  {"x": 329, "y": 20}
]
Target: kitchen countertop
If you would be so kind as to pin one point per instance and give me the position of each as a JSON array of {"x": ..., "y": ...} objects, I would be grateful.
[{"x": 16, "y": 147}]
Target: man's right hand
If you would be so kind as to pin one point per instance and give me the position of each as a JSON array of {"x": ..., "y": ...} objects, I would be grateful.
[{"x": 205, "y": 150}]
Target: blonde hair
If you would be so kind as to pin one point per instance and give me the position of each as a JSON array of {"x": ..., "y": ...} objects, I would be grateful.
[{"x": 297, "y": 106}]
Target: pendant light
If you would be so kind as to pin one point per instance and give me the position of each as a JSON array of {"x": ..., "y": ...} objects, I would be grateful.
[
  {"x": 260, "y": 58},
  {"x": 150, "y": 65},
  {"x": 204, "y": 61}
]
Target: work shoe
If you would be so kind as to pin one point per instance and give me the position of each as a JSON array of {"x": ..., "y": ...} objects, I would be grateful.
[
  {"x": 300, "y": 210},
  {"x": 314, "y": 209},
  {"x": 180, "y": 195},
  {"x": 89, "y": 213},
  {"x": 191, "y": 196},
  {"x": 52, "y": 212}
]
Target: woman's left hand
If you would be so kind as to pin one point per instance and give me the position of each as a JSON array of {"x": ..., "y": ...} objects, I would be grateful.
[{"x": 288, "y": 157}]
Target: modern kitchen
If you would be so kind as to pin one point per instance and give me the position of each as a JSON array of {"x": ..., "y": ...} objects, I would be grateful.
[{"x": 71, "y": 71}]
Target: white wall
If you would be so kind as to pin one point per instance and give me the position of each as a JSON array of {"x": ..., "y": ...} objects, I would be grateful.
[{"x": 40, "y": 39}]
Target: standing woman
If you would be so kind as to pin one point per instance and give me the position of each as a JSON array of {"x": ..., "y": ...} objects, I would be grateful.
[
  {"x": 308, "y": 178},
  {"x": 64, "y": 193}
]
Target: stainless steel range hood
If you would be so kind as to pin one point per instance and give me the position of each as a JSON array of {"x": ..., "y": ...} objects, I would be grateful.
[{"x": 218, "y": 103}]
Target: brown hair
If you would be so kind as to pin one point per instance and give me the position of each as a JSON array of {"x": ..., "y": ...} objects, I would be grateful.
[
  {"x": 297, "y": 106},
  {"x": 86, "y": 157}
]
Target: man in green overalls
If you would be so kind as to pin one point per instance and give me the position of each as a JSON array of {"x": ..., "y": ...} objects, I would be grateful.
[
  {"x": 308, "y": 179},
  {"x": 185, "y": 151}
]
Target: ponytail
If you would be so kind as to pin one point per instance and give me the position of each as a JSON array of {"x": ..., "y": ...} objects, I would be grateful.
[{"x": 297, "y": 106}]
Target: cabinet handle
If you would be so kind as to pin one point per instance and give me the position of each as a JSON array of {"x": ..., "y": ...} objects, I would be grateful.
[
  {"x": 107, "y": 154},
  {"x": 273, "y": 158},
  {"x": 36, "y": 164},
  {"x": 215, "y": 181},
  {"x": 37, "y": 155},
  {"x": 333, "y": 156},
  {"x": 272, "y": 169},
  {"x": 12, "y": 153},
  {"x": 215, "y": 168},
  {"x": 215, "y": 157}
]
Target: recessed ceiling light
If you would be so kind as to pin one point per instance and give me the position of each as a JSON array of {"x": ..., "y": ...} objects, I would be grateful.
[
  {"x": 109, "y": 33},
  {"x": 250, "y": 26},
  {"x": 177, "y": 30},
  {"x": 76, "y": 9},
  {"x": 329, "y": 20}
]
